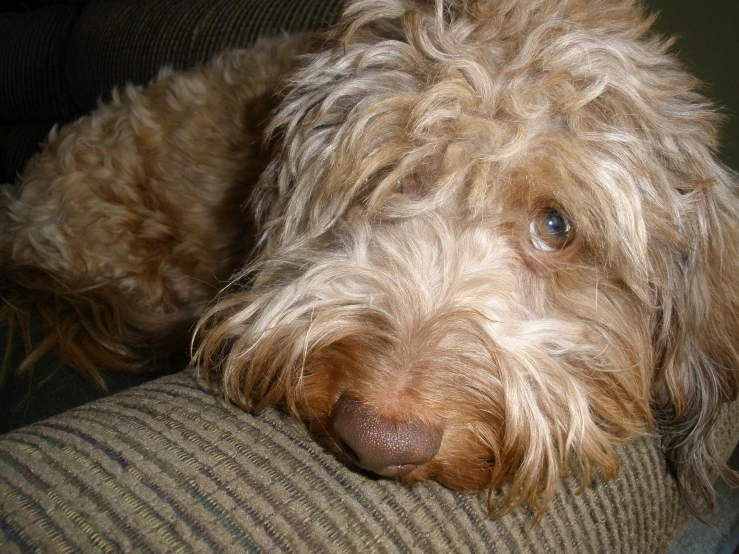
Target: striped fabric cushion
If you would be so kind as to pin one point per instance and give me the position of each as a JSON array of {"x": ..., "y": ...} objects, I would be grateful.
[{"x": 168, "y": 467}]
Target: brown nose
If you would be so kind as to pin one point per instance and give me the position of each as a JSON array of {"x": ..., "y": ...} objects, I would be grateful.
[{"x": 388, "y": 447}]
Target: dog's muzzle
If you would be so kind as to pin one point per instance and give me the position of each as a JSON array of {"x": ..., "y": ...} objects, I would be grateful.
[{"x": 387, "y": 447}]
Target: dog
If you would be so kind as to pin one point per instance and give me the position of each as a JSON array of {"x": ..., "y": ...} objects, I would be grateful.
[{"x": 478, "y": 241}]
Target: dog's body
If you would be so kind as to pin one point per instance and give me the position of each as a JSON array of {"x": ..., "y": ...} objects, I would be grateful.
[
  {"x": 131, "y": 219},
  {"x": 492, "y": 240}
]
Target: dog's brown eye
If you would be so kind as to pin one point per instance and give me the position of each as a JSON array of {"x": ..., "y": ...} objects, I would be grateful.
[
  {"x": 550, "y": 231},
  {"x": 410, "y": 184}
]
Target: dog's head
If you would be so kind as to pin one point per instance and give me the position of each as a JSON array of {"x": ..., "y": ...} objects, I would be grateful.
[{"x": 496, "y": 243}]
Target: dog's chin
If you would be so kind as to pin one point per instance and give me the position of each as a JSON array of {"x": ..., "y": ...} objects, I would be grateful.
[{"x": 411, "y": 474}]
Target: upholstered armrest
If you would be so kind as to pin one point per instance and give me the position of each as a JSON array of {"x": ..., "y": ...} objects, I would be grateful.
[{"x": 168, "y": 467}]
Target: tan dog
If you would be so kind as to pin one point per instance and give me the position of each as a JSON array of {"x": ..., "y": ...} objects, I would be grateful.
[{"x": 493, "y": 240}]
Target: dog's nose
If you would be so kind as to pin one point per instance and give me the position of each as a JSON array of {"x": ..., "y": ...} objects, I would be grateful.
[{"x": 388, "y": 447}]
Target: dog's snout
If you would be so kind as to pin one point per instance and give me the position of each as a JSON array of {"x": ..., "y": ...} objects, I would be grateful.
[{"x": 388, "y": 447}]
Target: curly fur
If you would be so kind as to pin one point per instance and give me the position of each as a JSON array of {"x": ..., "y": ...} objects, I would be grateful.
[
  {"x": 399, "y": 273},
  {"x": 131, "y": 219}
]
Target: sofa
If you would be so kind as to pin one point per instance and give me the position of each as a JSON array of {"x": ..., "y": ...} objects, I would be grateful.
[{"x": 160, "y": 462}]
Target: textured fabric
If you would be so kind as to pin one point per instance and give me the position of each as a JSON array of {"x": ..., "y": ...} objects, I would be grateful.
[
  {"x": 166, "y": 467},
  {"x": 116, "y": 41},
  {"x": 17, "y": 143},
  {"x": 32, "y": 81}
]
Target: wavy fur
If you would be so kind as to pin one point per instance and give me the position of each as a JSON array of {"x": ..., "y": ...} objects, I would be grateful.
[{"x": 401, "y": 277}]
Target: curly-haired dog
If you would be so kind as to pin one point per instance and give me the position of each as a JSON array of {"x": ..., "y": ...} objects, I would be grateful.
[{"x": 492, "y": 240}]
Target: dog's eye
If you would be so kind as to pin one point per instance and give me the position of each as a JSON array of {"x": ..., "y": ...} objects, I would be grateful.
[
  {"x": 410, "y": 184},
  {"x": 550, "y": 231}
]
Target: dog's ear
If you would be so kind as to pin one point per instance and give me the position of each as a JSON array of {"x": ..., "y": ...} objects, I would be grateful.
[{"x": 698, "y": 337}]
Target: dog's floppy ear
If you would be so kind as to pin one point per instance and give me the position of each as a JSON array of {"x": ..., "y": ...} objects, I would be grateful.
[{"x": 699, "y": 332}]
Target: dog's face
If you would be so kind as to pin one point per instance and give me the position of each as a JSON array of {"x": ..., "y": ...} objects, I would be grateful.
[{"x": 495, "y": 244}]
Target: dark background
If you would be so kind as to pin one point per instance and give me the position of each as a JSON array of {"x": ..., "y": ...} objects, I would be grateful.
[{"x": 708, "y": 43}]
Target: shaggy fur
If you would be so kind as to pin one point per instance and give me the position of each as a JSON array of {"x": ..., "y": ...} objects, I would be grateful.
[
  {"x": 493, "y": 241},
  {"x": 131, "y": 219}
]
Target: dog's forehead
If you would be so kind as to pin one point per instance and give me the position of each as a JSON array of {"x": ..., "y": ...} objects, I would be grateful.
[
  {"x": 480, "y": 38},
  {"x": 497, "y": 75},
  {"x": 582, "y": 84},
  {"x": 497, "y": 105}
]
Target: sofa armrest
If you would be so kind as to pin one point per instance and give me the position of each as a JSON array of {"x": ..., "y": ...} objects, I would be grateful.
[{"x": 167, "y": 466}]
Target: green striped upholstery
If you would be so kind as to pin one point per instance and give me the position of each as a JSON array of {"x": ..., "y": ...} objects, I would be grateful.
[{"x": 167, "y": 467}]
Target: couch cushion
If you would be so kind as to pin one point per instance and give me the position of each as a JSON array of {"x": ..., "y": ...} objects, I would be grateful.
[
  {"x": 168, "y": 467},
  {"x": 114, "y": 42},
  {"x": 32, "y": 74},
  {"x": 17, "y": 143}
]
